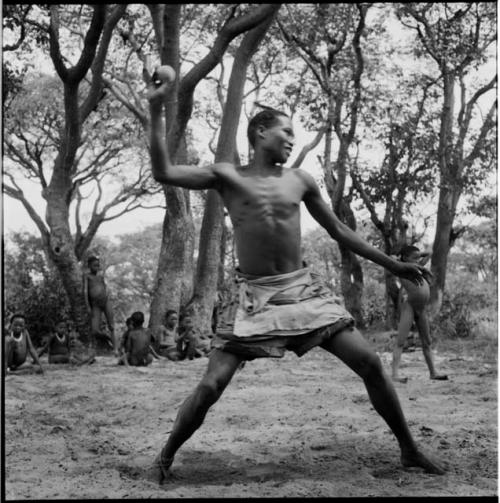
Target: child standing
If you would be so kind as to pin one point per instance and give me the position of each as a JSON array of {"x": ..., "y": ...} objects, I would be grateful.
[
  {"x": 98, "y": 301},
  {"x": 413, "y": 301}
]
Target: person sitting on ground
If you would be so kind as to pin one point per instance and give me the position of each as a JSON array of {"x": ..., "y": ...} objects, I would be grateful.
[
  {"x": 123, "y": 338},
  {"x": 413, "y": 301},
  {"x": 138, "y": 343},
  {"x": 168, "y": 336},
  {"x": 191, "y": 344},
  {"x": 18, "y": 344},
  {"x": 59, "y": 346}
]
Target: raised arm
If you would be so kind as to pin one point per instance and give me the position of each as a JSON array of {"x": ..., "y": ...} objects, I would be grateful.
[
  {"x": 324, "y": 215},
  {"x": 189, "y": 177}
]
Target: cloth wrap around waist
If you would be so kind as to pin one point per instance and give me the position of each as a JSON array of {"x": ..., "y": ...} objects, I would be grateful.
[{"x": 281, "y": 306}]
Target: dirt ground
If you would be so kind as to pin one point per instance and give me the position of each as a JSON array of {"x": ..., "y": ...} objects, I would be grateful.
[{"x": 283, "y": 428}]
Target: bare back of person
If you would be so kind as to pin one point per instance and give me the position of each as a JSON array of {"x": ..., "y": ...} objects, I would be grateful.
[{"x": 139, "y": 340}]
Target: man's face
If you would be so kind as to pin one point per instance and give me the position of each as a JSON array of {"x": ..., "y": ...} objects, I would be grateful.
[
  {"x": 172, "y": 320},
  {"x": 413, "y": 257},
  {"x": 278, "y": 140},
  {"x": 61, "y": 328},
  {"x": 18, "y": 325},
  {"x": 94, "y": 266}
]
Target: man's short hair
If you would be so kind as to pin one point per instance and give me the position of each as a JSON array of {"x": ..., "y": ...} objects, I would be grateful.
[
  {"x": 17, "y": 315},
  {"x": 137, "y": 318},
  {"x": 169, "y": 312},
  {"x": 91, "y": 259},
  {"x": 407, "y": 250},
  {"x": 267, "y": 118}
]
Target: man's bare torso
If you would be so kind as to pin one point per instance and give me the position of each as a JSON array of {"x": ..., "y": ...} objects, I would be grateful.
[
  {"x": 96, "y": 289},
  {"x": 264, "y": 208}
]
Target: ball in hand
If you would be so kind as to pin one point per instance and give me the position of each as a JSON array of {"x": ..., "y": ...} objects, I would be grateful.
[{"x": 162, "y": 74}]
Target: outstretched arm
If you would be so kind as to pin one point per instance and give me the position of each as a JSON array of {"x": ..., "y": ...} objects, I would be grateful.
[
  {"x": 189, "y": 177},
  {"x": 324, "y": 215}
]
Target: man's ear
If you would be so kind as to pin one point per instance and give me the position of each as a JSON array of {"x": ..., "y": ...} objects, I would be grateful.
[{"x": 261, "y": 131}]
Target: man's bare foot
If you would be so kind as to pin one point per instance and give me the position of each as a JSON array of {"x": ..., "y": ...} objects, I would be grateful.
[
  {"x": 163, "y": 465},
  {"x": 439, "y": 377},
  {"x": 403, "y": 380},
  {"x": 419, "y": 460}
]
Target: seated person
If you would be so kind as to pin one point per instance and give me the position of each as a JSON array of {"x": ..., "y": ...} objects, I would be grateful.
[
  {"x": 137, "y": 349},
  {"x": 190, "y": 344},
  {"x": 59, "y": 345},
  {"x": 18, "y": 344},
  {"x": 167, "y": 337},
  {"x": 123, "y": 339}
]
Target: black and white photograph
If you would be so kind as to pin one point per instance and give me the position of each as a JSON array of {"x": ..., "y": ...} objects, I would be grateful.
[{"x": 249, "y": 251}]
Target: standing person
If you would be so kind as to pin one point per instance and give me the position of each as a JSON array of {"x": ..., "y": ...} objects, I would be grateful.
[
  {"x": 413, "y": 300},
  {"x": 282, "y": 305},
  {"x": 98, "y": 302},
  {"x": 18, "y": 344}
]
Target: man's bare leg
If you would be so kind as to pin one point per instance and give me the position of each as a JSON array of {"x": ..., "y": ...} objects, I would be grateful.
[
  {"x": 425, "y": 338},
  {"x": 404, "y": 326},
  {"x": 350, "y": 346},
  {"x": 220, "y": 370},
  {"x": 108, "y": 313}
]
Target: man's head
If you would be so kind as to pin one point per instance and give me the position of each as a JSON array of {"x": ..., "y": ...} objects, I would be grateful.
[
  {"x": 409, "y": 253},
  {"x": 61, "y": 327},
  {"x": 171, "y": 318},
  {"x": 272, "y": 131},
  {"x": 137, "y": 319},
  {"x": 17, "y": 323},
  {"x": 93, "y": 263}
]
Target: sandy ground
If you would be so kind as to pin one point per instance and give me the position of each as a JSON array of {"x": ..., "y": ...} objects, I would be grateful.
[{"x": 283, "y": 428}]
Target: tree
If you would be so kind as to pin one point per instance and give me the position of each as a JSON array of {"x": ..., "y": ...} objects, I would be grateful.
[
  {"x": 32, "y": 286},
  {"x": 174, "y": 271},
  {"x": 66, "y": 135},
  {"x": 328, "y": 38},
  {"x": 456, "y": 37}
]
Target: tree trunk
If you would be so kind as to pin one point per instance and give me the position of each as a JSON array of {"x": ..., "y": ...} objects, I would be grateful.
[
  {"x": 173, "y": 276},
  {"x": 201, "y": 306},
  {"x": 447, "y": 199},
  {"x": 61, "y": 252},
  {"x": 351, "y": 277}
]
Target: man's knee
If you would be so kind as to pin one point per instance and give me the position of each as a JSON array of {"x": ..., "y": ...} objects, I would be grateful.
[
  {"x": 369, "y": 366},
  {"x": 209, "y": 390}
]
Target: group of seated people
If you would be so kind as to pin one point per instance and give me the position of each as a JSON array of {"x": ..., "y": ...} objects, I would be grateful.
[
  {"x": 138, "y": 346},
  {"x": 174, "y": 341}
]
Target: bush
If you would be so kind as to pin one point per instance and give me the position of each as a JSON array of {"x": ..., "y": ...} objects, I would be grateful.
[{"x": 468, "y": 310}]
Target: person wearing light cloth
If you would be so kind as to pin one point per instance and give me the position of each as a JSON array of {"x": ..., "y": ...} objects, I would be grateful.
[
  {"x": 263, "y": 200},
  {"x": 293, "y": 311}
]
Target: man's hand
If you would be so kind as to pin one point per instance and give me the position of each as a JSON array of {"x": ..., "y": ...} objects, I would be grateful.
[
  {"x": 412, "y": 272},
  {"x": 161, "y": 81}
]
